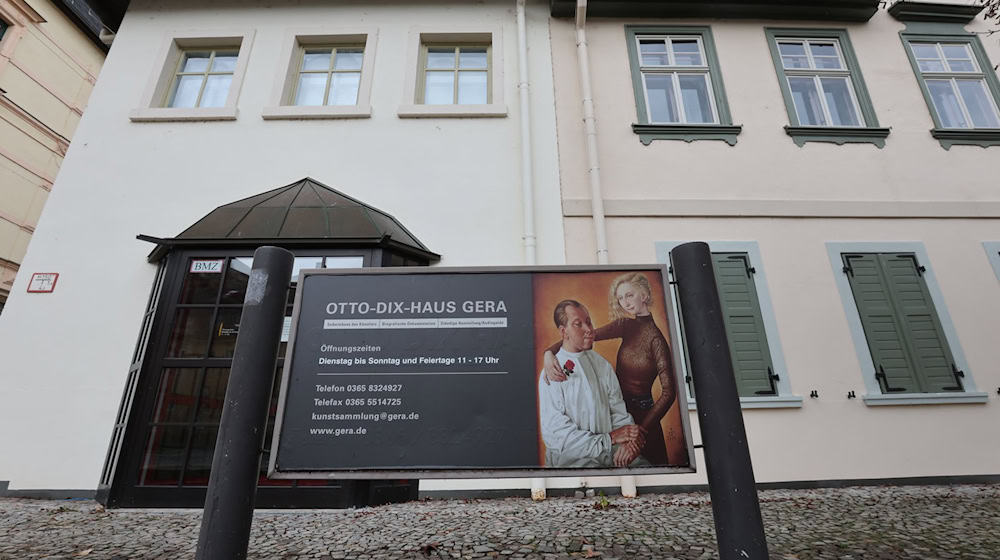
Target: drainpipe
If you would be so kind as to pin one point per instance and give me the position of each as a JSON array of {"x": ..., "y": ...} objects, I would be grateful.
[
  {"x": 627, "y": 483},
  {"x": 527, "y": 184}
]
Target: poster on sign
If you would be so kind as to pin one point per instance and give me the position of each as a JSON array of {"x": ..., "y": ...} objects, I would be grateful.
[{"x": 487, "y": 372}]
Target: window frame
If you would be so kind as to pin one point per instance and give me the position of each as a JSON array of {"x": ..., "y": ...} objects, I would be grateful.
[
  {"x": 420, "y": 88},
  {"x": 175, "y": 44},
  {"x": 723, "y": 129},
  {"x": 948, "y": 137},
  {"x": 411, "y": 105},
  {"x": 874, "y": 395},
  {"x": 868, "y": 132},
  {"x": 296, "y": 41},
  {"x": 993, "y": 254},
  {"x": 784, "y": 398}
]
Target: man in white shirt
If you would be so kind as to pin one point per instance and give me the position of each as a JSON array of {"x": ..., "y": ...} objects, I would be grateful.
[{"x": 584, "y": 421}]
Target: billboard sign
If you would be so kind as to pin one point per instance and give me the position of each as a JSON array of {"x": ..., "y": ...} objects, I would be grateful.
[{"x": 441, "y": 373}]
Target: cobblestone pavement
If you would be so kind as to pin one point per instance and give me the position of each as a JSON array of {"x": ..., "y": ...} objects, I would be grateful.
[{"x": 891, "y": 523}]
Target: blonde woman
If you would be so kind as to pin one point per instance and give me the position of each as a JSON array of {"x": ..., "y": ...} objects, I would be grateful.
[{"x": 644, "y": 355}]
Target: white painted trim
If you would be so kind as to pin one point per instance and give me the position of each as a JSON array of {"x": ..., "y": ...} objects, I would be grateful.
[
  {"x": 409, "y": 108},
  {"x": 634, "y": 208},
  {"x": 993, "y": 254},
  {"x": 784, "y": 398},
  {"x": 280, "y": 106},
  {"x": 874, "y": 396},
  {"x": 150, "y": 107}
]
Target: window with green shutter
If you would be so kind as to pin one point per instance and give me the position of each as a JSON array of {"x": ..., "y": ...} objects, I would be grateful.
[{"x": 908, "y": 347}]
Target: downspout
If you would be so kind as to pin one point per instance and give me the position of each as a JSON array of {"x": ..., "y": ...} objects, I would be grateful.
[
  {"x": 590, "y": 128},
  {"x": 593, "y": 167},
  {"x": 527, "y": 168}
]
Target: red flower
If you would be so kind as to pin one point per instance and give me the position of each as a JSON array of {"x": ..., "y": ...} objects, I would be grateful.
[{"x": 568, "y": 367}]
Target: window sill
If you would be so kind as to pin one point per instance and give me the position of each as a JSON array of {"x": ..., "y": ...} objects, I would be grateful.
[
  {"x": 687, "y": 132},
  {"x": 455, "y": 111},
  {"x": 925, "y": 398},
  {"x": 781, "y": 401},
  {"x": 155, "y": 114},
  {"x": 837, "y": 134},
  {"x": 984, "y": 137},
  {"x": 288, "y": 112}
]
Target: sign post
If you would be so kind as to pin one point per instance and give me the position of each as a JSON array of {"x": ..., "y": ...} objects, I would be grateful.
[
  {"x": 739, "y": 528},
  {"x": 232, "y": 486}
]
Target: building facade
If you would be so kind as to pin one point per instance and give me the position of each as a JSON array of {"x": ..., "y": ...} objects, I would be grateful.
[
  {"x": 48, "y": 65},
  {"x": 836, "y": 156}
]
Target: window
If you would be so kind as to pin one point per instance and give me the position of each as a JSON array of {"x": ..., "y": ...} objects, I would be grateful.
[
  {"x": 458, "y": 75},
  {"x": 3, "y": 28},
  {"x": 454, "y": 74},
  {"x": 199, "y": 78},
  {"x": 906, "y": 345},
  {"x": 327, "y": 75},
  {"x": 822, "y": 87},
  {"x": 993, "y": 254},
  {"x": 202, "y": 79},
  {"x": 758, "y": 363},
  {"x": 959, "y": 86},
  {"x": 678, "y": 87}
]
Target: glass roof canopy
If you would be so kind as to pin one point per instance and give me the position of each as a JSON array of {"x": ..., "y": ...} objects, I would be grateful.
[{"x": 305, "y": 212}]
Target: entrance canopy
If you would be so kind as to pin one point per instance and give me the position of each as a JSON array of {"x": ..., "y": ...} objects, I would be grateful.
[{"x": 304, "y": 213}]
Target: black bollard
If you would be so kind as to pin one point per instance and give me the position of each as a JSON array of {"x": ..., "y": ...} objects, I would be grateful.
[
  {"x": 232, "y": 486},
  {"x": 739, "y": 528}
]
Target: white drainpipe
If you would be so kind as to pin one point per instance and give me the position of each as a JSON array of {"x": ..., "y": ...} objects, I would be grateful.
[
  {"x": 527, "y": 183},
  {"x": 593, "y": 168}
]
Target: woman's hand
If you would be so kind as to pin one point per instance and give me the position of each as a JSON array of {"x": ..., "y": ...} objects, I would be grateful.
[{"x": 553, "y": 371}]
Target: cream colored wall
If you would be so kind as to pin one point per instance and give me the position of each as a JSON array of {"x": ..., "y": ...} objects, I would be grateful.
[{"x": 47, "y": 69}]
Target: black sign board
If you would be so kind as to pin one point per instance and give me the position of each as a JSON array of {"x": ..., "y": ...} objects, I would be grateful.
[{"x": 438, "y": 373}]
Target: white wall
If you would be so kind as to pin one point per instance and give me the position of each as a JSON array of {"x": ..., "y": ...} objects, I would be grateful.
[{"x": 453, "y": 182}]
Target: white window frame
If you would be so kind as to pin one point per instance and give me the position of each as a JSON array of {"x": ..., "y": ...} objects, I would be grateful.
[
  {"x": 175, "y": 43},
  {"x": 420, "y": 36},
  {"x": 785, "y": 398},
  {"x": 952, "y": 77},
  {"x": 677, "y": 70},
  {"x": 874, "y": 395},
  {"x": 282, "y": 105},
  {"x": 816, "y": 73}
]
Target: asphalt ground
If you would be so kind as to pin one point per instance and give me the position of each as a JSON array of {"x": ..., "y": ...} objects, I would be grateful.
[{"x": 891, "y": 523}]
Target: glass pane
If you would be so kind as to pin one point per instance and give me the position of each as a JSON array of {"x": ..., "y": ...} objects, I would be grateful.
[
  {"x": 195, "y": 62},
  {"x": 686, "y": 52},
  {"x": 344, "y": 88},
  {"x": 175, "y": 398},
  {"x": 828, "y": 62},
  {"x": 472, "y": 88},
  {"x": 653, "y": 52},
  {"x": 472, "y": 57},
  {"x": 348, "y": 59},
  {"x": 977, "y": 101},
  {"x": 946, "y": 104},
  {"x": 930, "y": 65},
  {"x": 316, "y": 59},
  {"x": 823, "y": 49},
  {"x": 199, "y": 463},
  {"x": 959, "y": 58},
  {"x": 696, "y": 98},
  {"x": 164, "y": 458},
  {"x": 311, "y": 89},
  {"x": 961, "y": 66},
  {"x": 234, "y": 289},
  {"x": 185, "y": 92},
  {"x": 189, "y": 338},
  {"x": 227, "y": 328},
  {"x": 216, "y": 91},
  {"x": 839, "y": 102},
  {"x": 925, "y": 50},
  {"x": 806, "y": 101},
  {"x": 224, "y": 61},
  {"x": 791, "y": 49},
  {"x": 213, "y": 395},
  {"x": 660, "y": 92},
  {"x": 305, "y": 262},
  {"x": 200, "y": 287},
  {"x": 344, "y": 262},
  {"x": 791, "y": 62},
  {"x": 440, "y": 58},
  {"x": 439, "y": 88}
]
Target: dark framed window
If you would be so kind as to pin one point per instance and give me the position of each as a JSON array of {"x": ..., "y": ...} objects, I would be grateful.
[
  {"x": 3, "y": 28},
  {"x": 164, "y": 436}
]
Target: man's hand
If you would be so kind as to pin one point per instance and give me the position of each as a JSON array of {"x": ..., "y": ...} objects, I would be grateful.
[
  {"x": 553, "y": 371},
  {"x": 629, "y": 434},
  {"x": 626, "y": 454}
]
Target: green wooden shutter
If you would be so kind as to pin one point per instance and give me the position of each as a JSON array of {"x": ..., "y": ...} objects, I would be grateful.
[
  {"x": 904, "y": 335},
  {"x": 744, "y": 325}
]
